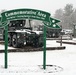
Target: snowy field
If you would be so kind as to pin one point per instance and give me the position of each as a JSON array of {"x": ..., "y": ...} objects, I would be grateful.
[{"x": 22, "y": 63}]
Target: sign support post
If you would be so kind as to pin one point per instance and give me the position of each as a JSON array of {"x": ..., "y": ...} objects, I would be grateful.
[
  {"x": 44, "y": 50},
  {"x": 6, "y": 44}
]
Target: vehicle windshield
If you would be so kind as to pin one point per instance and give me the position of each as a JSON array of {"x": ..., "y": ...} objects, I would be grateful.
[
  {"x": 36, "y": 25},
  {"x": 17, "y": 23}
]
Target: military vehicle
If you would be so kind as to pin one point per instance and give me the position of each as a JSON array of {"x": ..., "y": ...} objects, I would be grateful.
[
  {"x": 20, "y": 33},
  {"x": 53, "y": 32}
]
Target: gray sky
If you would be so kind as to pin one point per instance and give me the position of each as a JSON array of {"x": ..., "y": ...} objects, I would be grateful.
[{"x": 45, "y": 5}]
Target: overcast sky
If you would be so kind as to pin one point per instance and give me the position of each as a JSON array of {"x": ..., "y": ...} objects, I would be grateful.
[{"x": 45, "y": 5}]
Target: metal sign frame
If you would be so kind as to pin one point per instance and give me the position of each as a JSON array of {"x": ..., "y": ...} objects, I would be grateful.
[{"x": 23, "y": 14}]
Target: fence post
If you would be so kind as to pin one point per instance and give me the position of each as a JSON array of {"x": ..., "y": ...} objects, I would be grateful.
[{"x": 61, "y": 41}]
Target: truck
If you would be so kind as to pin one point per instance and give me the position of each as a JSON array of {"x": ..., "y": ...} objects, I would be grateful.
[{"x": 20, "y": 33}]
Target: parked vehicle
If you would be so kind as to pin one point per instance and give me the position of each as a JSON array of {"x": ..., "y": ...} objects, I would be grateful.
[
  {"x": 53, "y": 33},
  {"x": 20, "y": 34},
  {"x": 67, "y": 31}
]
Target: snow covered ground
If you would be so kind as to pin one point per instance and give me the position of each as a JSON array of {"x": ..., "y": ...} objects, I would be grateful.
[
  {"x": 21, "y": 63},
  {"x": 2, "y": 47}
]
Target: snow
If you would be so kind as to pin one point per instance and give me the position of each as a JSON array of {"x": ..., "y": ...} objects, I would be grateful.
[
  {"x": 21, "y": 63},
  {"x": 38, "y": 32},
  {"x": 2, "y": 47}
]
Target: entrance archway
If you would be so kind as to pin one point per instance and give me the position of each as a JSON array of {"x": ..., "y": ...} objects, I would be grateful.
[{"x": 24, "y": 14}]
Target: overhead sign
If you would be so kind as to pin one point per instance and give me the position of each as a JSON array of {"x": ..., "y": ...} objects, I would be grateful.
[
  {"x": 55, "y": 26},
  {"x": 30, "y": 14},
  {"x": 53, "y": 20},
  {"x": 25, "y": 13},
  {"x": 53, "y": 23}
]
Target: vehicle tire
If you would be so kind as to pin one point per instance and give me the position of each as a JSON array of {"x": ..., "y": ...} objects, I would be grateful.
[
  {"x": 36, "y": 43},
  {"x": 9, "y": 40},
  {"x": 27, "y": 41},
  {"x": 41, "y": 45},
  {"x": 14, "y": 41}
]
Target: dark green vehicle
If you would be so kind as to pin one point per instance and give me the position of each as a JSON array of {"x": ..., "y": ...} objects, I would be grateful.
[
  {"x": 53, "y": 32},
  {"x": 20, "y": 34}
]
